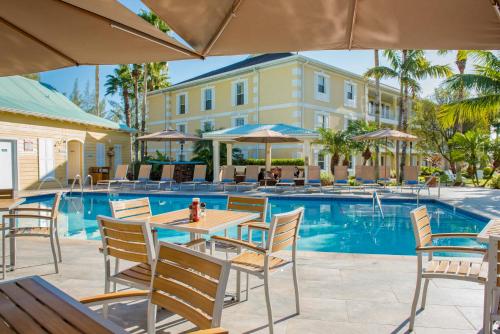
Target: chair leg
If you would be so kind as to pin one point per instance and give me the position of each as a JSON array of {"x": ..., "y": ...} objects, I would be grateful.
[
  {"x": 424, "y": 293},
  {"x": 53, "y": 247},
  {"x": 415, "y": 300},
  {"x": 268, "y": 302},
  {"x": 296, "y": 287},
  {"x": 248, "y": 286},
  {"x": 152, "y": 309},
  {"x": 117, "y": 269},
  {"x": 4, "y": 267},
  {"x": 488, "y": 296}
]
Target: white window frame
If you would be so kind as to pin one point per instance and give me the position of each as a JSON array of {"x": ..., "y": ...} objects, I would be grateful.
[
  {"x": 203, "y": 101},
  {"x": 325, "y": 97},
  {"x": 350, "y": 103},
  {"x": 178, "y": 125},
  {"x": 46, "y": 158},
  {"x": 203, "y": 121},
  {"x": 234, "y": 118},
  {"x": 178, "y": 104},
  {"x": 245, "y": 92},
  {"x": 326, "y": 116}
]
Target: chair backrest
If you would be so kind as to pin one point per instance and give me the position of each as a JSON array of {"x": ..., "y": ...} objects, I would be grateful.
[
  {"x": 144, "y": 173},
  {"x": 6, "y": 193},
  {"x": 493, "y": 262},
  {"x": 340, "y": 173},
  {"x": 55, "y": 206},
  {"x": 358, "y": 172},
  {"x": 200, "y": 173},
  {"x": 252, "y": 173},
  {"x": 284, "y": 230},
  {"x": 167, "y": 173},
  {"x": 368, "y": 173},
  {"x": 190, "y": 284},
  {"x": 133, "y": 209},
  {"x": 287, "y": 173},
  {"x": 228, "y": 173},
  {"x": 249, "y": 204},
  {"x": 411, "y": 173},
  {"x": 314, "y": 173},
  {"x": 384, "y": 172},
  {"x": 121, "y": 172},
  {"x": 421, "y": 226},
  {"x": 126, "y": 239}
]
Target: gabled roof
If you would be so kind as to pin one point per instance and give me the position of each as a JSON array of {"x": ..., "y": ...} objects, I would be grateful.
[
  {"x": 29, "y": 97},
  {"x": 238, "y": 131},
  {"x": 247, "y": 62}
]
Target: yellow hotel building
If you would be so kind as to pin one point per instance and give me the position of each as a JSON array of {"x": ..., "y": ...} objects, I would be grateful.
[{"x": 268, "y": 89}]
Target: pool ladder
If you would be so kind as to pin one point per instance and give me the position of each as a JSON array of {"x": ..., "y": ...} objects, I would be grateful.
[
  {"x": 79, "y": 178},
  {"x": 377, "y": 202}
]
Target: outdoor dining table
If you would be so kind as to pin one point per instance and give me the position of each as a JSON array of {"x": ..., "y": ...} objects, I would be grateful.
[
  {"x": 32, "y": 305},
  {"x": 493, "y": 227},
  {"x": 8, "y": 204}
]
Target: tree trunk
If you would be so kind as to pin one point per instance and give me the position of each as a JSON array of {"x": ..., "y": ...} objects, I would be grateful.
[
  {"x": 136, "y": 92},
  {"x": 126, "y": 106},
  {"x": 97, "y": 111},
  {"x": 459, "y": 126},
  {"x": 378, "y": 101},
  {"x": 144, "y": 110},
  {"x": 403, "y": 122}
]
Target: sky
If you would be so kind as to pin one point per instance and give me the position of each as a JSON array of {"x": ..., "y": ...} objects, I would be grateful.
[{"x": 356, "y": 61}]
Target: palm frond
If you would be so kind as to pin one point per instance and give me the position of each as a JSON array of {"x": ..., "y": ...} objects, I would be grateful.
[
  {"x": 470, "y": 110},
  {"x": 475, "y": 82},
  {"x": 381, "y": 72}
]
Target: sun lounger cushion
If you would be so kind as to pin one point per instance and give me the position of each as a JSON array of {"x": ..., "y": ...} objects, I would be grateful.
[
  {"x": 314, "y": 181},
  {"x": 166, "y": 179},
  {"x": 287, "y": 181},
  {"x": 251, "y": 180},
  {"x": 412, "y": 182},
  {"x": 199, "y": 179},
  {"x": 341, "y": 181}
]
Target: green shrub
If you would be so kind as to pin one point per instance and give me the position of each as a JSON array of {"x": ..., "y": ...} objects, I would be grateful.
[
  {"x": 274, "y": 162},
  {"x": 326, "y": 178},
  {"x": 428, "y": 171},
  {"x": 487, "y": 172},
  {"x": 495, "y": 182}
]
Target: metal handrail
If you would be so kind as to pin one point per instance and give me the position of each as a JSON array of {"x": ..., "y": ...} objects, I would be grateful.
[
  {"x": 376, "y": 201},
  {"x": 50, "y": 178},
  {"x": 79, "y": 178},
  {"x": 426, "y": 184},
  {"x": 91, "y": 182}
]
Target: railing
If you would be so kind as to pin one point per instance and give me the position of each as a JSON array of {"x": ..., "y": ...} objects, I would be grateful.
[
  {"x": 377, "y": 202},
  {"x": 81, "y": 183},
  {"x": 50, "y": 178},
  {"x": 91, "y": 182},
  {"x": 426, "y": 185}
]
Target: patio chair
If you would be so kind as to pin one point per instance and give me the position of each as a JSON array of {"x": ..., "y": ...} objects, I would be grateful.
[
  {"x": 341, "y": 177},
  {"x": 313, "y": 177},
  {"x": 120, "y": 176},
  {"x": 6, "y": 193},
  {"x": 452, "y": 268},
  {"x": 261, "y": 261},
  {"x": 410, "y": 180},
  {"x": 384, "y": 175},
  {"x": 167, "y": 177},
  {"x": 287, "y": 178},
  {"x": 492, "y": 289},
  {"x": 368, "y": 178},
  {"x": 29, "y": 213},
  {"x": 199, "y": 177},
  {"x": 226, "y": 178},
  {"x": 185, "y": 282},
  {"x": 251, "y": 177},
  {"x": 142, "y": 179}
]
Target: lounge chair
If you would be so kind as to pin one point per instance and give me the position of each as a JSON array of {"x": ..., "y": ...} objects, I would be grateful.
[
  {"x": 120, "y": 176},
  {"x": 167, "y": 177},
  {"x": 251, "y": 177},
  {"x": 287, "y": 177},
  {"x": 313, "y": 177},
  {"x": 260, "y": 261},
  {"x": 341, "y": 177},
  {"x": 457, "y": 268},
  {"x": 226, "y": 178},
  {"x": 183, "y": 281},
  {"x": 410, "y": 180},
  {"x": 142, "y": 179},
  {"x": 199, "y": 177},
  {"x": 368, "y": 178},
  {"x": 384, "y": 175}
]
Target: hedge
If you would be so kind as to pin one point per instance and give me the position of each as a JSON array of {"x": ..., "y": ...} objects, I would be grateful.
[{"x": 274, "y": 162}]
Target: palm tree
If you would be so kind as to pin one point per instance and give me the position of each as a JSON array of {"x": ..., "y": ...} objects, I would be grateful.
[
  {"x": 378, "y": 103},
  {"x": 471, "y": 148},
  {"x": 408, "y": 67},
  {"x": 485, "y": 82},
  {"x": 136, "y": 75},
  {"x": 97, "y": 110},
  {"x": 359, "y": 127},
  {"x": 336, "y": 144},
  {"x": 121, "y": 82}
]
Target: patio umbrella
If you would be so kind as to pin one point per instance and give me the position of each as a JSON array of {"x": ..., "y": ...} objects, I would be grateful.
[
  {"x": 41, "y": 35},
  {"x": 169, "y": 135},
  {"x": 226, "y": 27},
  {"x": 267, "y": 137}
]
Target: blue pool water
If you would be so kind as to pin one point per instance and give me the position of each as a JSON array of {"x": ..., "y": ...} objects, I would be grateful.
[{"x": 330, "y": 225}]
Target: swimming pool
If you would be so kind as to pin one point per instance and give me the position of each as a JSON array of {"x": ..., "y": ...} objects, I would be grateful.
[{"x": 347, "y": 225}]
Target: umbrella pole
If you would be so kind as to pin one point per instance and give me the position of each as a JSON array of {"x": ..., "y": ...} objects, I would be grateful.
[{"x": 268, "y": 157}]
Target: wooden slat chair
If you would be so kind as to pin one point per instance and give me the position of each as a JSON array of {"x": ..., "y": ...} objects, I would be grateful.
[
  {"x": 51, "y": 231},
  {"x": 120, "y": 176},
  {"x": 6, "y": 193},
  {"x": 261, "y": 261},
  {"x": 167, "y": 177},
  {"x": 341, "y": 177},
  {"x": 287, "y": 178},
  {"x": 492, "y": 289},
  {"x": 199, "y": 177},
  {"x": 251, "y": 177},
  {"x": 313, "y": 177},
  {"x": 185, "y": 282},
  {"x": 452, "y": 268}
]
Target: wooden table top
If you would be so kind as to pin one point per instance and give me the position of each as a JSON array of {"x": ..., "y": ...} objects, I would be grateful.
[
  {"x": 32, "y": 305},
  {"x": 215, "y": 220},
  {"x": 493, "y": 227},
  {"x": 10, "y": 203}
]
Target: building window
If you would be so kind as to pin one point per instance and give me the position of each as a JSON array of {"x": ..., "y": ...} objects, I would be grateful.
[
  {"x": 321, "y": 120},
  {"x": 321, "y": 87},
  {"x": 386, "y": 111},
  {"x": 207, "y": 125},
  {"x": 239, "y": 121},
  {"x": 207, "y": 99},
  {"x": 321, "y": 161},
  {"x": 181, "y": 128},
  {"x": 349, "y": 94},
  {"x": 240, "y": 93},
  {"x": 182, "y": 104},
  {"x": 371, "y": 108}
]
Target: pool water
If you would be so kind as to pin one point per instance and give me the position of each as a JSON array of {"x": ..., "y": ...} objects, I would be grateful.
[{"x": 347, "y": 225}]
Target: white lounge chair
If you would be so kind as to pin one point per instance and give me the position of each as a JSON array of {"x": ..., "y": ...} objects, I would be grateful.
[
  {"x": 287, "y": 177},
  {"x": 199, "y": 177},
  {"x": 167, "y": 177},
  {"x": 313, "y": 177},
  {"x": 251, "y": 177},
  {"x": 120, "y": 176}
]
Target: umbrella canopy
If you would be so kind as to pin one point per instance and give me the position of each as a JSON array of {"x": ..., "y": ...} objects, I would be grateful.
[
  {"x": 40, "y": 35},
  {"x": 169, "y": 135},
  {"x": 256, "y": 26},
  {"x": 387, "y": 134},
  {"x": 266, "y": 136}
]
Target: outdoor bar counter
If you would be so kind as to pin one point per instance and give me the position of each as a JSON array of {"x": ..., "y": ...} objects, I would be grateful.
[{"x": 183, "y": 170}]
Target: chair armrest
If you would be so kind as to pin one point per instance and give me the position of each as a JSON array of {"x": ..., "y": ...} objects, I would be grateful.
[
  {"x": 454, "y": 235},
  {"x": 239, "y": 243},
  {"x": 255, "y": 226},
  {"x": 115, "y": 297},
  {"x": 26, "y": 216},
  {"x": 456, "y": 249},
  {"x": 32, "y": 209},
  {"x": 212, "y": 331}
]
